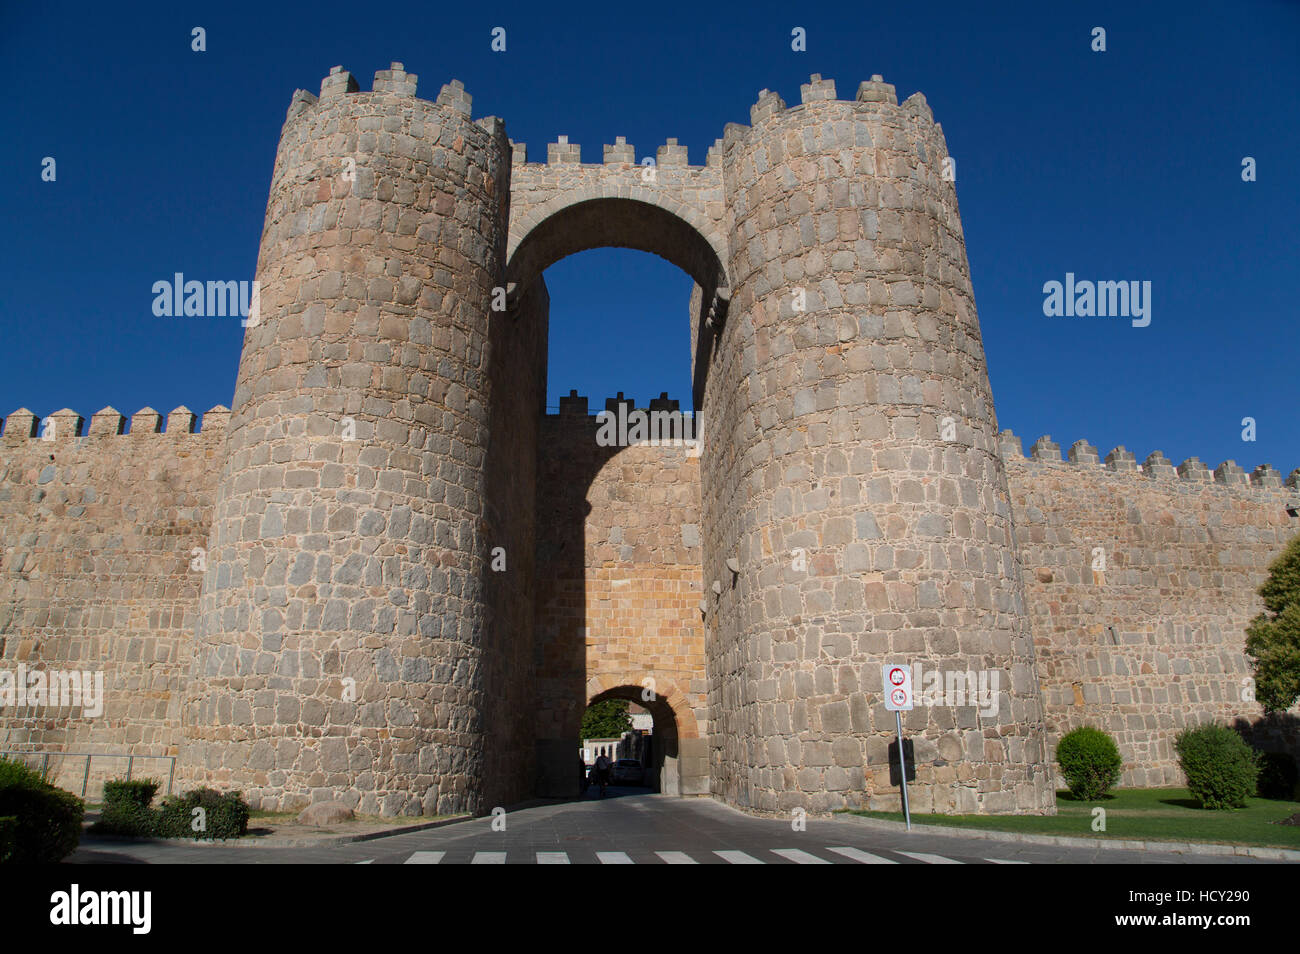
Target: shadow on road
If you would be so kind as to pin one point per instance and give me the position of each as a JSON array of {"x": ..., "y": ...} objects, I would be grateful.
[{"x": 611, "y": 791}]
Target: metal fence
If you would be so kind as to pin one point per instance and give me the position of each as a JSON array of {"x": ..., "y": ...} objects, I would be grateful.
[{"x": 27, "y": 755}]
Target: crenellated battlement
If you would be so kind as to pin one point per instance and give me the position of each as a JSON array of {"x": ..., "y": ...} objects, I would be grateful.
[
  {"x": 873, "y": 97},
  {"x": 874, "y": 100},
  {"x": 1156, "y": 466},
  {"x": 574, "y": 405},
  {"x": 66, "y": 424},
  {"x": 393, "y": 87},
  {"x": 619, "y": 154},
  {"x": 394, "y": 81}
]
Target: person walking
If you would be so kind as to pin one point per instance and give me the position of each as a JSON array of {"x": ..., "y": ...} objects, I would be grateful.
[{"x": 602, "y": 772}]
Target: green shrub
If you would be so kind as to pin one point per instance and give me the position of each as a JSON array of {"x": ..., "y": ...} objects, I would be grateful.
[
  {"x": 46, "y": 820},
  {"x": 126, "y": 808},
  {"x": 139, "y": 791},
  {"x": 224, "y": 815},
  {"x": 1221, "y": 769},
  {"x": 1090, "y": 762},
  {"x": 1277, "y": 776}
]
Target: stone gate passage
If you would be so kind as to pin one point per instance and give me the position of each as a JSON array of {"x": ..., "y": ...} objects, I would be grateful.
[{"x": 414, "y": 579}]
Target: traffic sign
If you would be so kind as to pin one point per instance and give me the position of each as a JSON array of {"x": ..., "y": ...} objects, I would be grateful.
[
  {"x": 897, "y": 681},
  {"x": 897, "y": 684}
]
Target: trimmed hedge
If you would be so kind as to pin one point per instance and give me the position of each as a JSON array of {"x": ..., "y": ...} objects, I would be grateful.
[
  {"x": 44, "y": 821},
  {"x": 127, "y": 811},
  {"x": 223, "y": 815},
  {"x": 126, "y": 808},
  {"x": 1278, "y": 776},
  {"x": 1090, "y": 762},
  {"x": 1221, "y": 769},
  {"x": 138, "y": 791}
]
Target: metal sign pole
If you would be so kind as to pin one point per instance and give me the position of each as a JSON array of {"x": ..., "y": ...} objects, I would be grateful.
[{"x": 902, "y": 769}]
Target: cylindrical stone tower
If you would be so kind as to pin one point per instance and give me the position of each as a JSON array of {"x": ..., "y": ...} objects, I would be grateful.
[
  {"x": 338, "y": 651},
  {"x": 852, "y": 475}
]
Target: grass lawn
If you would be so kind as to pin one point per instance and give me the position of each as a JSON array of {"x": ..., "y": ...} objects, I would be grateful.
[{"x": 1146, "y": 814}]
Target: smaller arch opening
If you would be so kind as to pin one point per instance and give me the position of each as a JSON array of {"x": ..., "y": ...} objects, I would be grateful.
[{"x": 650, "y": 740}]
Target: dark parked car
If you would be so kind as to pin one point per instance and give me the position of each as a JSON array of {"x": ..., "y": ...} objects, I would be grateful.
[{"x": 627, "y": 772}]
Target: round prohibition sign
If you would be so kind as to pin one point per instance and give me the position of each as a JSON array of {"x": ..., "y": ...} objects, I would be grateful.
[
  {"x": 898, "y": 696},
  {"x": 897, "y": 676}
]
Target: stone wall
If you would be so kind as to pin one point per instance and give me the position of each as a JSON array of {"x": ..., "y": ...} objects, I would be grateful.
[
  {"x": 1152, "y": 640},
  {"x": 618, "y": 600},
  {"x": 102, "y": 534}
]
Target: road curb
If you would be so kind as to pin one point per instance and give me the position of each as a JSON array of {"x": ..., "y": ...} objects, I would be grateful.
[
  {"x": 273, "y": 841},
  {"x": 1177, "y": 847}
]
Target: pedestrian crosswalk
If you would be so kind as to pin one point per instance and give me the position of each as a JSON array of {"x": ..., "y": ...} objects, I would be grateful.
[
  {"x": 799, "y": 856},
  {"x": 863, "y": 857},
  {"x": 929, "y": 859},
  {"x": 831, "y": 854},
  {"x": 737, "y": 858}
]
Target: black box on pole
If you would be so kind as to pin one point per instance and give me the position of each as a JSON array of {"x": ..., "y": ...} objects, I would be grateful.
[{"x": 893, "y": 762}]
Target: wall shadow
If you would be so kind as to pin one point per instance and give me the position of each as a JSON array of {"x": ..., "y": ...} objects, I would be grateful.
[{"x": 560, "y": 647}]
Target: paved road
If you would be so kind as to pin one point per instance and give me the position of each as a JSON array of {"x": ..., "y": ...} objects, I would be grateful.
[{"x": 632, "y": 826}]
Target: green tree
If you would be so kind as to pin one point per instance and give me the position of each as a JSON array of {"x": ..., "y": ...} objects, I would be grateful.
[
  {"x": 606, "y": 720},
  {"x": 1273, "y": 637}
]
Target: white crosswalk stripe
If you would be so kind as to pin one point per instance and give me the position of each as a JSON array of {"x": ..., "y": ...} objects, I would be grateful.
[
  {"x": 863, "y": 857},
  {"x": 931, "y": 859},
  {"x": 737, "y": 858},
  {"x": 799, "y": 857},
  {"x": 730, "y": 856},
  {"x": 676, "y": 858}
]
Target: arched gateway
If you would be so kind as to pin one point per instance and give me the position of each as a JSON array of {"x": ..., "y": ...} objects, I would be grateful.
[{"x": 417, "y": 578}]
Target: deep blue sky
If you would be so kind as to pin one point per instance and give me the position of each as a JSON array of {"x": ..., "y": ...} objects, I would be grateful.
[{"x": 1117, "y": 165}]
